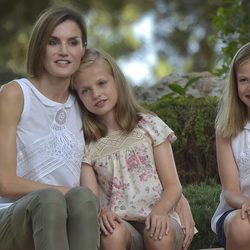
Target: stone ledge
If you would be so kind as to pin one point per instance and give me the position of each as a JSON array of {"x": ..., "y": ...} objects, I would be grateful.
[{"x": 211, "y": 249}]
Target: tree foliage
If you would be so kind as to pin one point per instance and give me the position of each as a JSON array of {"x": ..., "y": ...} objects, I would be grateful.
[
  {"x": 109, "y": 26},
  {"x": 231, "y": 30},
  {"x": 185, "y": 27},
  {"x": 181, "y": 30}
]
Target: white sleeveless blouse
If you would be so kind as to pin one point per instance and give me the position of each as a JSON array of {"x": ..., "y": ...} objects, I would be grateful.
[
  {"x": 241, "y": 152},
  {"x": 49, "y": 141}
]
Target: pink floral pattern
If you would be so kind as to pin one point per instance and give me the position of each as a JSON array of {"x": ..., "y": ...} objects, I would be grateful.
[{"x": 125, "y": 167}]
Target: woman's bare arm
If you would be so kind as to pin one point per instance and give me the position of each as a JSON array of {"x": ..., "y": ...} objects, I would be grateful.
[{"x": 11, "y": 106}]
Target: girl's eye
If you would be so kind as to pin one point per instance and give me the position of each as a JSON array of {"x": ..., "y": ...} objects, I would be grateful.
[
  {"x": 85, "y": 91},
  {"x": 52, "y": 42},
  {"x": 102, "y": 82},
  {"x": 242, "y": 80}
]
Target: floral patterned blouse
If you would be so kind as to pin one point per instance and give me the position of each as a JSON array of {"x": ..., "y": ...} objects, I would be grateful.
[{"x": 125, "y": 168}]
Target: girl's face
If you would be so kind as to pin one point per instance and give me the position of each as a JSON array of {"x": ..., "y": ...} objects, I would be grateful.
[
  {"x": 243, "y": 83},
  {"x": 64, "y": 50},
  {"x": 97, "y": 90}
]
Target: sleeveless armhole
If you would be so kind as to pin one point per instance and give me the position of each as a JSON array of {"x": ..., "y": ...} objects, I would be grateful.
[{"x": 26, "y": 100}]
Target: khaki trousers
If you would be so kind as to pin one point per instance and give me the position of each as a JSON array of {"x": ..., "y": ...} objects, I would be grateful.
[{"x": 48, "y": 220}]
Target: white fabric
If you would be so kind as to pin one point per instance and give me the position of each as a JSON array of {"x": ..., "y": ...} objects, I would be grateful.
[
  {"x": 49, "y": 140},
  {"x": 241, "y": 151}
]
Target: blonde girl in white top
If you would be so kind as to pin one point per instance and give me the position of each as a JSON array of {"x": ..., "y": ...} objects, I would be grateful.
[{"x": 231, "y": 221}]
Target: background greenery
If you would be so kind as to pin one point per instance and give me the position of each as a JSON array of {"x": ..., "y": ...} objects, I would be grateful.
[
  {"x": 203, "y": 199},
  {"x": 187, "y": 36},
  {"x": 193, "y": 122}
]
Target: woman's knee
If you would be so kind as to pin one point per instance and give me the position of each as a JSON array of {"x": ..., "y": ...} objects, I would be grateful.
[
  {"x": 50, "y": 195},
  {"x": 50, "y": 201},
  {"x": 42, "y": 214},
  {"x": 80, "y": 193},
  {"x": 82, "y": 199}
]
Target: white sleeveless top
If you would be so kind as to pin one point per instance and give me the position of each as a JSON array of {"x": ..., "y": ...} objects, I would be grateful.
[
  {"x": 49, "y": 140},
  {"x": 241, "y": 152}
]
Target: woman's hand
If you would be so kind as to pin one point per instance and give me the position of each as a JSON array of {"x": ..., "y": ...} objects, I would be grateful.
[
  {"x": 187, "y": 221},
  {"x": 108, "y": 220}
]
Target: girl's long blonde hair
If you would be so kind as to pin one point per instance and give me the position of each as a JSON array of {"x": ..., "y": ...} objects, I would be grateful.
[
  {"x": 232, "y": 113},
  {"x": 126, "y": 110}
]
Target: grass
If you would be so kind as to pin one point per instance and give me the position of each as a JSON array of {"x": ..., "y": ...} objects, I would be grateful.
[{"x": 203, "y": 199}]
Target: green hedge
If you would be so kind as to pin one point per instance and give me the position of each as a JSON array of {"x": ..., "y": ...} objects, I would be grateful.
[
  {"x": 192, "y": 120},
  {"x": 203, "y": 200}
]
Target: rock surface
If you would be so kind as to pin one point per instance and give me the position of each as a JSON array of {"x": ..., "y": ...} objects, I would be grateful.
[{"x": 206, "y": 85}]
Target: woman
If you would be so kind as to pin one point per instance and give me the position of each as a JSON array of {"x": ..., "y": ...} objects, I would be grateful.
[{"x": 41, "y": 144}]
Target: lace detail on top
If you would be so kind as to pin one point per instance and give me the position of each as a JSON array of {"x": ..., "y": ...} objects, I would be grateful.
[
  {"x": 59, "y": 148},
  {"x": 116, "y": 141}
]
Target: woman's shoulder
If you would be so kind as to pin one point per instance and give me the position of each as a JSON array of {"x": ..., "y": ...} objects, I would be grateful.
[
  {"x": 11, "y": 102},
  {"x": 11, "y": 91}
]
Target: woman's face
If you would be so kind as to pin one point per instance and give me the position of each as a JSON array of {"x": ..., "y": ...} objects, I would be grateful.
[
  {"x": 243, "y": 83},
  {"x": 64, "y": 50}
]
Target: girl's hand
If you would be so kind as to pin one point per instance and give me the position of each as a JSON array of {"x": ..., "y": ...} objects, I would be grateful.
[
  {"x": 245, "y": 211},
  {"x": 108, "y": 220},
  {"x": 157, "y": 223}
]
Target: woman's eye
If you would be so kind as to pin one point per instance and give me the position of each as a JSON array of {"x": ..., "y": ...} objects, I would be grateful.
[
  {"x": 53, "y": 42},
  {"x": 74, "y": 42}
]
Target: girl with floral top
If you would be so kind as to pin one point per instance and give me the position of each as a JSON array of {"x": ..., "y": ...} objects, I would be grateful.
[{"x": 129, "y": 152}]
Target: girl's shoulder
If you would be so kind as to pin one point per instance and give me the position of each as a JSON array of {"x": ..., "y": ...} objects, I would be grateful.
[
  {"x": 148, "y": 118},
  {"x": 151, "y": 120},
  {"x": 156, "y": 127}
]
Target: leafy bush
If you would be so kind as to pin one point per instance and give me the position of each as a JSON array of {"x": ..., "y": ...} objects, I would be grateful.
[
  {"x": 192, "y": 120},
  {"x": 178, "y": 90},
  {"x": 203, "y": 200}
]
